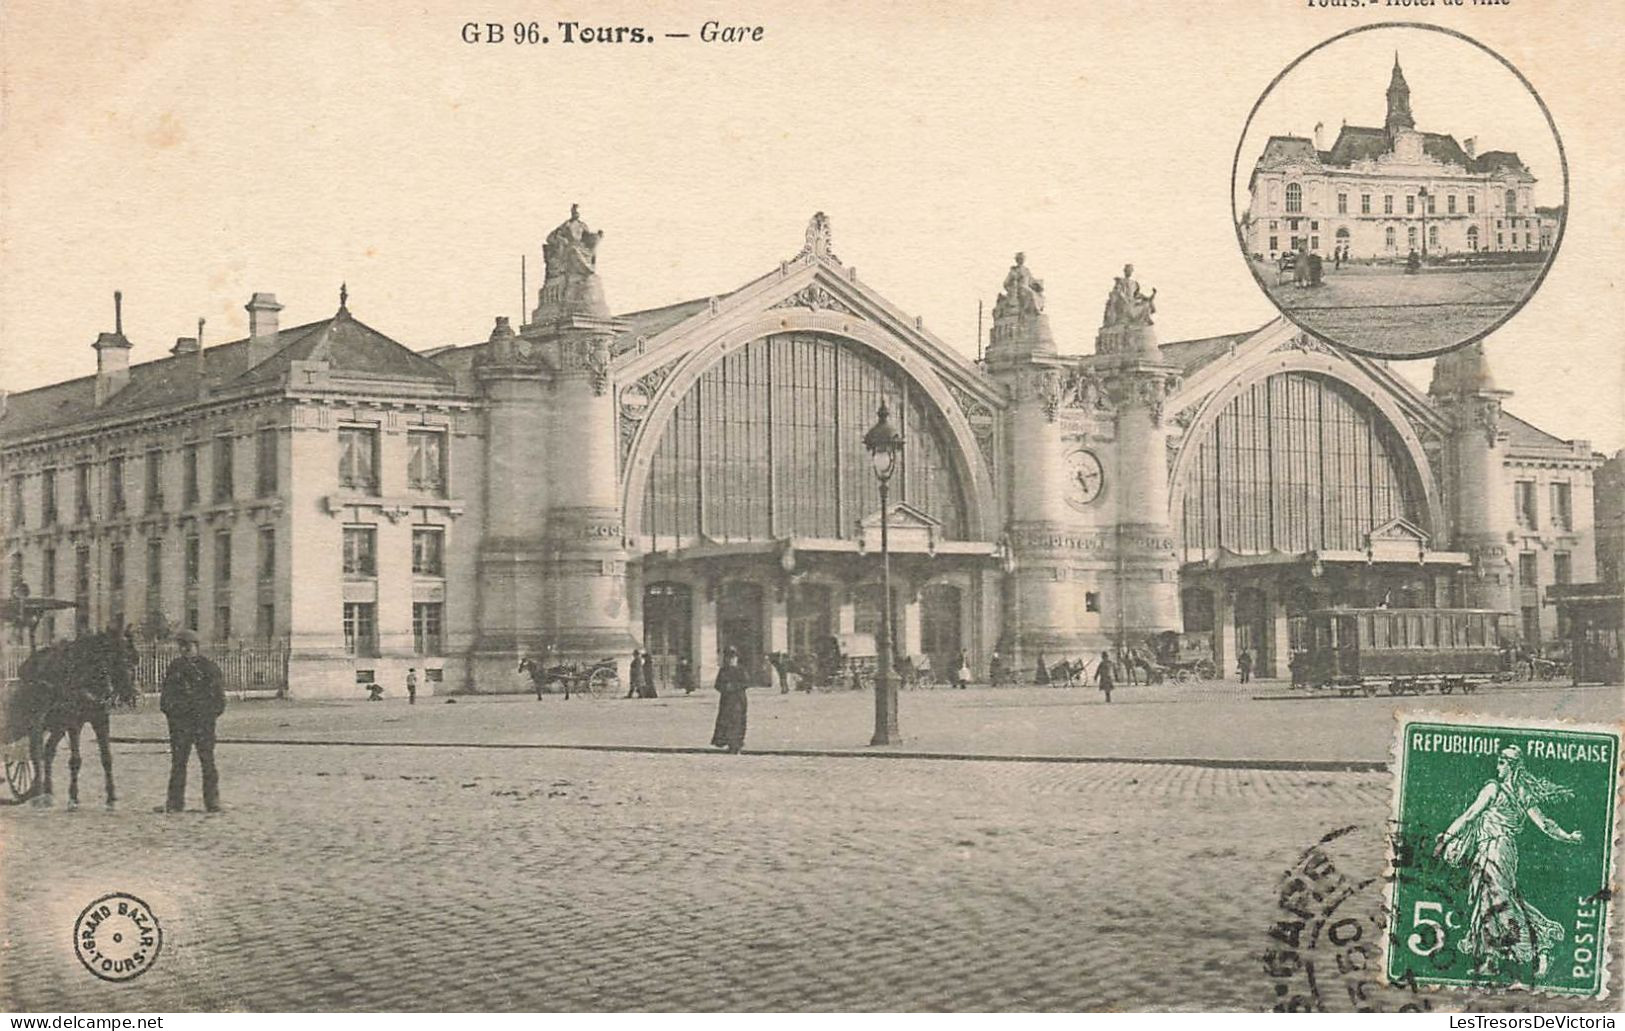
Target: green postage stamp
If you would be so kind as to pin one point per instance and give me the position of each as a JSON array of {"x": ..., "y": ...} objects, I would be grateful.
[{"x": 1503, "y": 845}]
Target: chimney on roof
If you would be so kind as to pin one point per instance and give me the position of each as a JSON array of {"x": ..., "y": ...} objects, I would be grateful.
[
  {"x": 112, "y": 355},
  {"x": 262, "y": 327},
  {"x": 1470, "y": 145},
  {"x": 1320, "y": 136}
]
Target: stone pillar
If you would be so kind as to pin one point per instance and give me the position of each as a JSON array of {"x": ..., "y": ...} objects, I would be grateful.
[
  {"x": 776, "y": 598},
  {"x": 1045, "y": 599},
  {"x": 1147, "y": 581},
  {"x": 1483, "y": 498},
  {"x": 510, "y": 567},
  {"x": 908, "y": 625},
  {"x": 703, "y": 639},
  {"x": 1224, "y": 631},
  {"x": 1281, "y": 635}
]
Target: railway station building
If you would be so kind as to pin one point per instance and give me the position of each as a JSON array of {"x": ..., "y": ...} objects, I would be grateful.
[{"x": 693, "y": 477}]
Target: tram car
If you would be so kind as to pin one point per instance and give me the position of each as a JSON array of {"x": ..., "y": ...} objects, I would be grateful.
[{"x": 1400, "y": 651}]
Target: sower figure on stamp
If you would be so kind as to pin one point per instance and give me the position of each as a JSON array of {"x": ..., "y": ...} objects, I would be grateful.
[
  {"x": 1502, "y": 925},
  {"x": 731, "y": 707},
  {"x": 192, "y": 698}
]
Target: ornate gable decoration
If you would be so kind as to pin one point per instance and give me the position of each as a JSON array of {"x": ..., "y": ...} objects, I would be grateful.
[
  {"x": 817, "y": 298},
  {"x": 1306, "y": 342},
  {"x": 1397, "y": 541},
  {"x": 818, "y": 243},
  {"x": 981, "y": 420},
  {"x": 634, "y": 401}
]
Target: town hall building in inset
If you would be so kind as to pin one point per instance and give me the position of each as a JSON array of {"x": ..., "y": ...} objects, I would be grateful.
[{"x": 1385, "y": 192}]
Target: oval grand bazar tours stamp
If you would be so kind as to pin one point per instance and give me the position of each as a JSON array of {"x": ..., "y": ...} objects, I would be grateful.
[
  {"x": 1503, "y": 850},
  {"x": 117, "y": 937}
]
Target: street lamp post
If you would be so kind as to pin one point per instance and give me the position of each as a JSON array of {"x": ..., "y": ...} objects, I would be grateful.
[
  {"x": 884, "y": 445},
  {"x": 1424, "y": 192}
]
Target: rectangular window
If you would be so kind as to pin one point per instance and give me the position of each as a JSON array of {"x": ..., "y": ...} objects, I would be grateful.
[
  {"x": 194, "y": 560},
  {"x": 1410, "y": 204},
  {"x": 189, "y": 487},
  {"x": 1562, "y": 567},
  {"x": 267, "y": 563},
  {"x": 222, "y": 556},
  {"x": 360, "y": 551},
  {"x": 358, "y": 459},
  {"x": 360, "y": 628},
  {"x": 192, "y": 622},
  {"x": 426, "y": 466},
  {"x": 1314, "y": 244},
  {"x": 17, "y": 502},
  {"x": 1450, "y": 204},
  {"x": 223, "y": 485},
  {"x": 48, "y": 573},
  {"x": 1431, "y": 204},
  {"x": 222, "y": 621},
  {"x": 267, "y": 621},
  {"x": 1365, "y": 203},
  {"x": 1523, "y": 502},
  {"x": 1314, "y": 225},
  {"x": 265, "y": 459},
  {"x": 81, "y": 492},
  {"x": 155, "y": 567},
  {"x": 155, "y": 481},
  {"x": 1275, "y": 243},
  {"x": 1342, "y": 204},
  {"x": 81, "y": 589},
  {"x": 1410, "y": 236},
  {"x": 1562, "y": 506},
  {"x": 1500, "y": 240},
  {"x": 115, "y": 566},
  {"x": 17, "y": 578},
  {"x": 1531, "y": 624},
  {"x": 1527, "y": 569},
  {"x": 428, "y": 551},
  {"x": 115, "y": 484},
  {"x": 47, "y": 505},
  {"x": 1387, "y": 204},
  {"x": 428, "y": 628},
  {"x": 1472, "y": 203}
]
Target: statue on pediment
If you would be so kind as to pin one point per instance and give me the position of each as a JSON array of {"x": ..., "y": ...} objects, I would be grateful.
[
  {"x": 1023, "y": 292},
  {"x": 1126, "y": 305},
  {"x": 572, "y": 248}
]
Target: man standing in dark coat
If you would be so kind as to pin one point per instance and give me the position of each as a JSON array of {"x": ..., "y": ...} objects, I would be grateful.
[
  {"x": 192, "y": 698},
  {"x": 634, "y": 675},
  {"x": 646, "y": 689},
  {"x": 1106, "y": 676},
  {"x": 731, "y": 708}
]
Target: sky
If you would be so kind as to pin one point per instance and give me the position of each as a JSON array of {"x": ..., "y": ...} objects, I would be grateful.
[{"x": 190, "y": 154}]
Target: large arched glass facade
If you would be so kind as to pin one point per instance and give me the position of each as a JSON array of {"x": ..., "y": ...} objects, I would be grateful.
[
  {"x": 768, "y": 443},
  {"x": 1293, "y": 463}
]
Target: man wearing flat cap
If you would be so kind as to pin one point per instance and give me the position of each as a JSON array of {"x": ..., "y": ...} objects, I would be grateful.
[{"x": 192, "y": 698}]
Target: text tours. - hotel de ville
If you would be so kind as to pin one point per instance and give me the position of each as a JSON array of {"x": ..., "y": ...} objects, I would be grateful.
[{"x": 693, "y": 477}]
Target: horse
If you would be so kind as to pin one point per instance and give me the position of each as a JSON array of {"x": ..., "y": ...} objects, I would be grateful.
[
  {"x": 541, "y": 675},
  {"x": 60, "y": 689}
]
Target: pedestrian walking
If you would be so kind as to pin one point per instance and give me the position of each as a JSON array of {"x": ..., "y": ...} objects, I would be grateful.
[
  {"x": 1041, "y": 674},
  {"x": 192, "y": 698},
  {"x": 646, "y": 687},
  {"x": 375, "y": 692},
  {"x": 685, "y": 674},
  {"x": 777, "y": 660},
  {"x": 411, "y": 685},
  {"x": 634, "y": 676},
  {"x": 731, "y": 706},
  {"x": 1244, "y": 666},
  {"x": 1105, "y": 676},
  {"x": 962, "y": 672}
]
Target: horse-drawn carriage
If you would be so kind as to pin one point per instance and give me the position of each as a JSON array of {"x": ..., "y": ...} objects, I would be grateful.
[
  {"x": 601, "y": 679},
  {"x": 1400, "y": 651},
  {"x": 1183, "y": 658},
  {"x": 56, "y": 692}
]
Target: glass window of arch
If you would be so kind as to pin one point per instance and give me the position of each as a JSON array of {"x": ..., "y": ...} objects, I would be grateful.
[
  {"x": 1511, "y": 201},
  {"x": 1294, "y": 197},
  {"x": 768, "y": 443},
  {"x": 1293, "y": 463}
]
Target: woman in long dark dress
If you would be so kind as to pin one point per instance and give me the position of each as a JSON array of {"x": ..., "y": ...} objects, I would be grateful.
[{"x": 731, "y": 711}]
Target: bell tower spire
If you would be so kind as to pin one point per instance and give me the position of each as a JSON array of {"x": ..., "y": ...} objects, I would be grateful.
[{"x": 1399, "y": 102}]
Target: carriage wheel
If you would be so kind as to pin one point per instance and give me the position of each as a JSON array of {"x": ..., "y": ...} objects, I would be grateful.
[
  {"x": 20, "y": 778},
  {"x": 1371, "y": 690},
  {"x": 604, "y": 683},
  {"x": 1207, "y": 671},
  {"x": 1184, "y": 676}
]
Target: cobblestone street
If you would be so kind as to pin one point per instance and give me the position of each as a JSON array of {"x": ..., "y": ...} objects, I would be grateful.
[{"x": 455, "y": 878}]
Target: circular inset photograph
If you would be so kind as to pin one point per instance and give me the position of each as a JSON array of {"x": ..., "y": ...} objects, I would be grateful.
[{"x": 1400, "y": 190}]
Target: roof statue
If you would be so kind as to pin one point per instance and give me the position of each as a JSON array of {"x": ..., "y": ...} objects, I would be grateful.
[
  {"x": 572, "y": 249},
  {"x": 1023, "y": 292},
  {"x": 1126, "y": 305},
  {"x": 571, "y": 285}
]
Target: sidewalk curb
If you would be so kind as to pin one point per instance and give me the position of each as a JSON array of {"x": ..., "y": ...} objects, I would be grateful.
[{"x": 1290, "y": 765}]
